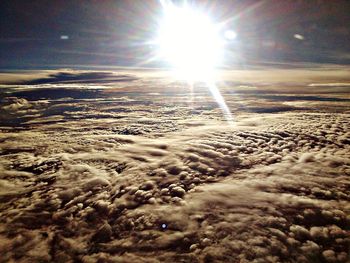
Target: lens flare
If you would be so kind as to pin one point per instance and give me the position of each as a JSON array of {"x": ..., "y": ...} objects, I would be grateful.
[{"x": 215, "y": 92}]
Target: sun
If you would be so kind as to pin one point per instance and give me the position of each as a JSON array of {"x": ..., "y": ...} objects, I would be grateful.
[{"x": 190, "y": 42}]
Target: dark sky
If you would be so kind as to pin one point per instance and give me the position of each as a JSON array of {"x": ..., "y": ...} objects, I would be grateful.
[{"x": 116, "y": 33}]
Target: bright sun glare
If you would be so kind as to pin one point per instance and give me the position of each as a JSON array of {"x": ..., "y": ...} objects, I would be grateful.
[
  {"x": 190, "y": 42},
  {"x": 193, "y": 46}
]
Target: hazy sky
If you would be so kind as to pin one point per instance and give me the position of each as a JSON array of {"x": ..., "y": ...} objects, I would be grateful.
[{"x": 48, "y": 33}]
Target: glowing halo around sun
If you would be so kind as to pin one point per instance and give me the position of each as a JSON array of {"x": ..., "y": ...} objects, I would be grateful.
[{"x": 190, "y": 42}]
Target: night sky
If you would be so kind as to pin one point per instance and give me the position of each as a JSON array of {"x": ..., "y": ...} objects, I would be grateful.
[{"x": 47, "y": 33}]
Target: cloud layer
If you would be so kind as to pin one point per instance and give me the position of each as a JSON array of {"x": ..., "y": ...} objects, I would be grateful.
[{"x": 151, "y": 175}]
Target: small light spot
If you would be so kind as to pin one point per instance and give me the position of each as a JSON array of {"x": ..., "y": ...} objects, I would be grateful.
[
  {"x": 164, "y": 226},
  {"x": 230, "y": 35},
  {"x": 298, "y": 36},
  {"x": 64, "y": 37}
]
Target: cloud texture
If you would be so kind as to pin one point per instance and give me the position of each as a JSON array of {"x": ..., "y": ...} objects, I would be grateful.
[{"x": 151, "y": 176}]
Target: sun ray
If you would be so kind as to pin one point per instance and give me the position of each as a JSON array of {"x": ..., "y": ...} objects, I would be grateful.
[
  {"x": 193, "y": 45},
  {"x": 214, "y": 90}
]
